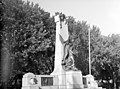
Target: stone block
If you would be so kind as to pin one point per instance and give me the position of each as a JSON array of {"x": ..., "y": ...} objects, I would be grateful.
[
  {"x": 31, "y": 81},
  {"x": 74, "y": 80},
  {"x": 28, "y": 81},
  {"x": 90, "y": 82}
]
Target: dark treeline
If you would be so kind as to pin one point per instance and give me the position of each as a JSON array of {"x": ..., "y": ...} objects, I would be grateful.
[{"x": 28, "y": 45}]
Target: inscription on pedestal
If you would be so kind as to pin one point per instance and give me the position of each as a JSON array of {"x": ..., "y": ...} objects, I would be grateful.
[{"x": 46, "y": 81}]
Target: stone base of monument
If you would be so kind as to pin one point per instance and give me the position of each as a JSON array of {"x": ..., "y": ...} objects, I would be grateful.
[
  {"x": 31, "y": 81},
  {"x": 67, "y": 80},
  {"x": 90, "y": 83},
  {"x": 74, "y": 80}
]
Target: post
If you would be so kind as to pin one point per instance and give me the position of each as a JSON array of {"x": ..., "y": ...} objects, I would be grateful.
[{"x": 89, "y": 53}]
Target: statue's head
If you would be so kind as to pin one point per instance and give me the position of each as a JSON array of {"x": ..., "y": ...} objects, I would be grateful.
[{"x": 61, "y": 16}]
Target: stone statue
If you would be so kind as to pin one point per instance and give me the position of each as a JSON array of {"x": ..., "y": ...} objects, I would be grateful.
[
  {"x": 64, "y": 67},
  {"x": 64, "y": 60},
  {"x": 68, "y": 60}
]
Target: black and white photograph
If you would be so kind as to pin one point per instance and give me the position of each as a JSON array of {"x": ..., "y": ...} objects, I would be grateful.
[{"x": 60, "y": 44}]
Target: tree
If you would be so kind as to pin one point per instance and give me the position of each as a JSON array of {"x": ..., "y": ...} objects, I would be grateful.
[
  {"x": 106, "y": 58},
  {"x": 28, "y": 36}
]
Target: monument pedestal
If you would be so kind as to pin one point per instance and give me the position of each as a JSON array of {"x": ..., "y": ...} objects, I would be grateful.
[
  {"x": 74, "y": 80},
  {"x": 28, "y": 81},
  {"x": 61, "y": 83},
  {"x": 91, "y": 83},
  {"x": 31, "y": 81}
]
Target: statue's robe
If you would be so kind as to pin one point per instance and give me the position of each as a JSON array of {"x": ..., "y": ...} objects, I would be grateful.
[{"x": 67, "y": 60}]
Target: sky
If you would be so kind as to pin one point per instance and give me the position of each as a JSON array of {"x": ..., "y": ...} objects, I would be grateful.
[{"x": 104, "y": 14}]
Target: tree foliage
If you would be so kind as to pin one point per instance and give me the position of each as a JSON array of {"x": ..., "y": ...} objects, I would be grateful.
[
  {"x": 28, "y": 35},
  {"x": 106, "y": 58}
]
